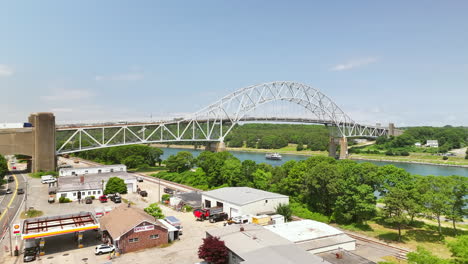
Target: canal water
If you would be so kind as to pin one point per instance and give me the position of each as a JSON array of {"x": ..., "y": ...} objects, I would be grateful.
[{"x": 419, "y": 169}]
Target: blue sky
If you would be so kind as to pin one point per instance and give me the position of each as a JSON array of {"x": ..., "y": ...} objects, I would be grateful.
[{"x": 399, "y": 61}]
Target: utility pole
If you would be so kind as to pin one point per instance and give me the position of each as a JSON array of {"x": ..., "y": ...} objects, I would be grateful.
[
  {"x": 26, "y": 197},
  {"x": 9, "y": 230},
  {"x": 159, "y": 189}
]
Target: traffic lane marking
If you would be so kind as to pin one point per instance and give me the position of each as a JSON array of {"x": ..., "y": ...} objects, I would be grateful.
[{"x": 12, "y": 198}]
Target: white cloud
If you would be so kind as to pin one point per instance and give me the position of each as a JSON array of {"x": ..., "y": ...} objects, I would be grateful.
[
  {"x": 5, "y": 70},
  {"x": 120, "y": 77},
  {"x": 67, "y": 95},
  {"x": 354, "y": 64}
]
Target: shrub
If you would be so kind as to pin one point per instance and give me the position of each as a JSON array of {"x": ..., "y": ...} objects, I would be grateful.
[
  {"x": 445, "y": 158},
  {"x": 165, "y": 197},
  {"x": 64, "y": 200},
  {"x": 115, "y": 185},
  {"x": 187, "y": 208},
  {"x": 155, "y": 211},
  {"x": 213, "y": 251},
  {"x": 389, "y": 153},
  {"x": 284, "y": 210}
]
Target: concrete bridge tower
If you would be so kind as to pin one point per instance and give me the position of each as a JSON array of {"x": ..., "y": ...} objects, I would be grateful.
[{"x": 37, "y": 141}]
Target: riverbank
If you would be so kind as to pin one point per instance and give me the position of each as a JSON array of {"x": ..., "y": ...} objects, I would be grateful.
[{"x": 414, "y": 158}]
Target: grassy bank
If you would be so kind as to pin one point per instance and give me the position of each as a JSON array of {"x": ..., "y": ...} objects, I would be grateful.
[{"x": 414, "y": 158}]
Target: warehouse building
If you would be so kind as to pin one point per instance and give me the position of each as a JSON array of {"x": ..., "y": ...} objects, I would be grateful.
[
  {"x": 313, "y": 236},
  {"x": 237, "y": 201},
  {"x": 131, "y": 229},
  {"x": 90, "y": 185},
  {"x": 249, "y": 244},
  {"x": 92, "y": 170}
]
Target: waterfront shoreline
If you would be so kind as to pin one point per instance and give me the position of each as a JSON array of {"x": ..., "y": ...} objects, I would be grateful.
[{"x": 310, "y": 154}]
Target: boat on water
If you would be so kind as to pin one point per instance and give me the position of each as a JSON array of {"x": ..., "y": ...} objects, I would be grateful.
[{"x": 273, "y": 156}]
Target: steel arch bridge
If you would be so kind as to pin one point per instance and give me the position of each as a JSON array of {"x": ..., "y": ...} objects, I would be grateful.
[{"x": 214, "y": 122}]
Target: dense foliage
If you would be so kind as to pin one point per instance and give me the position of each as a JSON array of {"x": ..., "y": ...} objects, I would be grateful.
[
  {"x": 275, "y": 136},
  {"x": 284, "y": 210},
  {"x": 3, "y": 167},
  {"x": 115, "y": 185},
  {"x": 132, "y": 156},
  {"x": 342, "y": 190},
  {"x": 448, "y": 138},
  {"x": 155, "y": 211},
  {"x": 213, "y": 251},
  {"x": 180, "y": 162}
]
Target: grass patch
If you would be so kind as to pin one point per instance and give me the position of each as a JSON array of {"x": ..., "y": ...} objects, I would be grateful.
[
  {"x": 303, "y": 212},
  {"x": 357, "y": 227},
  {"x": 43, "y": 173},
  {"x": 31, "y": 213},
  {"x": 127, "y": 201},
  {"x": 148, "y": 169}
]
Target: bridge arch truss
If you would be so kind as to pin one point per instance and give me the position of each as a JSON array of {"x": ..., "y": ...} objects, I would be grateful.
[{"x": 214, "y": 122}]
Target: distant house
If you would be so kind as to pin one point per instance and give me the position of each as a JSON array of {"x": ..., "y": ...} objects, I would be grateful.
[
  {"x": 418, "y": 144},
  {"x": 92, "y": 170},
  {"x": 432, "y": 143}
]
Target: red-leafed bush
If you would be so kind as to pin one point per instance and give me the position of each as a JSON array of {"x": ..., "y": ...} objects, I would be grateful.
[{"x": 213, "y": 251}]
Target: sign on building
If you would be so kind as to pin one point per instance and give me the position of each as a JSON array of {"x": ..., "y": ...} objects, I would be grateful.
[
  {"x": 17, "y": 229},
  {"x": 143, "y": 228}
]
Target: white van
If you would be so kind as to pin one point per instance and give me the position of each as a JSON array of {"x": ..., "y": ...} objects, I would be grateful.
[{"x": 48, "y": 179}]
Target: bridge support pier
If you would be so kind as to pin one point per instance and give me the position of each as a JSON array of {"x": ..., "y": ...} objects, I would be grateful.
[
  {"x": 44, "y": 158},
  {"x": 333, "y": 144},
  {"x": 343, "y": 148},
  {"x": 216, "y": 146}
]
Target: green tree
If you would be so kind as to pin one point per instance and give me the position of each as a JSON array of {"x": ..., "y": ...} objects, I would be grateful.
[
  {"x": 436, "y": 197},
  {"x": 180, "y": 162},
  {"x": 394, "y": 210},
  {"x": 457, "y": 202},
  {"x": 261, "y": 179},
  {"x": 357, "y": 204},
  {"x": 134, "y": 161},
  {"x": 231, "y": 173},
  {"x": 3, "y": 167},
  {"x": 115, "y": 185},
  {"x": 459, "y": 249},
  {"x": 284, "y": 210},
  {"x": 422, "y": 256},
  {"x": 155, "y": 211},
  {"x": 300, "y": 146}
]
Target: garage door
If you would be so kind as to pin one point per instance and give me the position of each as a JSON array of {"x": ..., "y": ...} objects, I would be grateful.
[
  {"x": 234, "y": 212},
  {"x": 129, "y": 187}
]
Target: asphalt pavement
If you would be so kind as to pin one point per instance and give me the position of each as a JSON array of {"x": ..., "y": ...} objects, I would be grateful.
[{"x": 10, "y": 203}]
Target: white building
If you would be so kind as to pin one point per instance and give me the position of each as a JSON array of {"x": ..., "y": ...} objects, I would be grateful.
[
  {"x": 252, "y": 244},
  {"x": 243, "y": 200},
  {"x": 91, "y": 185},
  {"x": 418, "y": 144},
  {"x": 432, "y": 143},
  {"x": 313, "y": 236},
  {"x": 92, "y": 170}
]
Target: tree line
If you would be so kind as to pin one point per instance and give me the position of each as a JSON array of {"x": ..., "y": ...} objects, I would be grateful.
[
  {"x": 342, "y": 190},
  {"x": 3, "y": 167},
  {"x": 275, "y": 136},
  {"x": 133, "y": 156},
  {"x": 448, "y": 138}
]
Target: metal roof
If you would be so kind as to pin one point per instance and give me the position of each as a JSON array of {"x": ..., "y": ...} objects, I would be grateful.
[
  {"x": 241, "y": 195},
  {"x": 255, "y": 244},
  {"x": 298, "y": 231}
]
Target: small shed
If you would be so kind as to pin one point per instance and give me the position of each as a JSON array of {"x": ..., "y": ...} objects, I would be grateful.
[{"x": 173, "y": 232}]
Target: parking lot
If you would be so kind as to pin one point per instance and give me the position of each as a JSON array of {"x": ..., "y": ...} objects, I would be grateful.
[{"x": 63, "y": 249}]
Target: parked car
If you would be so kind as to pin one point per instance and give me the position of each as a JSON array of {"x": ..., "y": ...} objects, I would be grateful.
[
  {"x": 11, "y": 179},
  {"x": 143, "y": 193},
  {"x": 20, "y": 191},
  {"x": 116, "y": 198},
  {"x": 102, "y": 249},
  {"x": 168, "y": 190},
  {"x": 88, "y": 200},
  {"x": 51, "y": 199},
  {"x": 103, "y": 199},
  {"x": 30, "y": 254},
  {"x": 139, "y": 179},
  {"x": 218, "y": 217},
  {"x": 14, "y": 167},
  {"x": 76, "y": 161},
  {"x": 9, "y": 191}
]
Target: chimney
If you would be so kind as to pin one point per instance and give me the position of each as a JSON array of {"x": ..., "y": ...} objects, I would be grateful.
[
  {"x": 82, "y": 179},
  {"x": 242, "y": 229}
]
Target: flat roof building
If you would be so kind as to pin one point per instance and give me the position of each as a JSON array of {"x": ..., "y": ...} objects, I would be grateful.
[
  {"x": 92, "y": 170},
  {"x": 313, "y": 236},
  {"x": 243, "y": 200},
  {"x": 91, "y": 184},
  {"x": 253, "y": 244}
]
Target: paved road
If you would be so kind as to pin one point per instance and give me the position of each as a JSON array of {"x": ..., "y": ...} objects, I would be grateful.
[{"x": 10, "y": 203}]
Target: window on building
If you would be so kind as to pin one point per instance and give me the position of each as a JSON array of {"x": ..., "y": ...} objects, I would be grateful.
[
  {"x": 89, "y": 192},
  {"x": 111, "y": 170},
  {"x": 74, "y": 194},
  {"x": 219, "y": 204},
  {"x": 83, "y": 193},
  {"x": 99, "y": 171},
  {"x": 94, "y": 192},
  {"x": 266, "y": 201},
  {"x": 154, "y": 236},
  {"x": 98, "y": 192},
  {"x": 133, "y": 240},
  {"x": 86, "y": 172}
]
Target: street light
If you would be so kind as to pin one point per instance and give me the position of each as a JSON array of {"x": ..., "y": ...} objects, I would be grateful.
[{"x": 9, "y": 228}]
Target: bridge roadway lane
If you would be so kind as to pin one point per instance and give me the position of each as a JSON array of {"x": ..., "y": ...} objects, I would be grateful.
[{"x": 11, "y": 200}]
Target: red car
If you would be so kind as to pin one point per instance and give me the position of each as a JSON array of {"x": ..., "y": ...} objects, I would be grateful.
[
  {"x": 103, "y": 199},
  {"x": 14, "y": 167}
]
